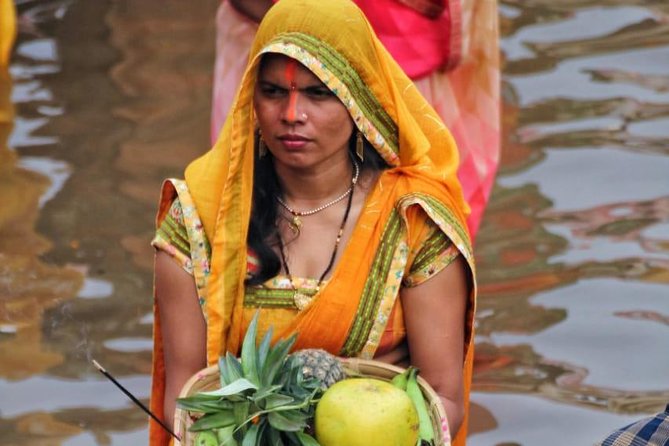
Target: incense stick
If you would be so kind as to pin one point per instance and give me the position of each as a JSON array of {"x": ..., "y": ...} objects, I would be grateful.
[{"x": 133, "y": 398}]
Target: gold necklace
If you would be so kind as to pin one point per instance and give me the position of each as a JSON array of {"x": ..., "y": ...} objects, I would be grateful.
[
  {"x": 296, "y": 222},
  {"x": 300, "y": 299}
]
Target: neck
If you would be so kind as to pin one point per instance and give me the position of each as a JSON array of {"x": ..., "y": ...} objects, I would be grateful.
[{"x": 314, "y": 185}]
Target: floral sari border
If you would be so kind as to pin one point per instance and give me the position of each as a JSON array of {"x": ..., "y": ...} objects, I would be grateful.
[{"x": 199, "y": 245}]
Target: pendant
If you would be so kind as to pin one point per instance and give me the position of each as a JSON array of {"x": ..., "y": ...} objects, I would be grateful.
[
  {"x": 301, "y": 300},
  {"x": 296, "y": 224}
]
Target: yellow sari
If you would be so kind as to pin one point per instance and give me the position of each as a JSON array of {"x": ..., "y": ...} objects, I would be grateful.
[
  {"x": 7, "y": 30},
  {"x": 348, "y": 316}
]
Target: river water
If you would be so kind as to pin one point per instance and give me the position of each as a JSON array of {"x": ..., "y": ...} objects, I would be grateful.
[{"x": 104, "y": 99}]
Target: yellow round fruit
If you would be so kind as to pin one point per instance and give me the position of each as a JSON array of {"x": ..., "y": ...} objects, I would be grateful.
[{"x": 366, "y": 412}]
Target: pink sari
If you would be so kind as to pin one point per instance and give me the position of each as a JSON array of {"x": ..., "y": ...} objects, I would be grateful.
[{"x": 453, "y": 59}]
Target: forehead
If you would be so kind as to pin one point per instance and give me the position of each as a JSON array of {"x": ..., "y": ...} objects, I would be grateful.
[{"x": 278, "y": 67}]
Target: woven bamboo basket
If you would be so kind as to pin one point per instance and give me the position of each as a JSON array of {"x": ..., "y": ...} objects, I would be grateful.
[{"x": 208, "y": 379}]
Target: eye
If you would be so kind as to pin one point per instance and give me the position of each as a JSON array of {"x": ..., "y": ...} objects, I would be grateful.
[
  {"x": 272, "y": 91},
  {"x": 319, "y": 92}
]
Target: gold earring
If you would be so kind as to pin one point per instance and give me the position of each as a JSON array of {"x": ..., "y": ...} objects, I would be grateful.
[
  {"x": 359, "y": 147},
  {"x": 262, "y": 148}
]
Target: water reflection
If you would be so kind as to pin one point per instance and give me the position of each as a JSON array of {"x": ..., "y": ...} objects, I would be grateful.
[
  {"x": 111, "y": 97},
  {"x": 573, "y": 252},
  {"x": 29, "y": 286}
]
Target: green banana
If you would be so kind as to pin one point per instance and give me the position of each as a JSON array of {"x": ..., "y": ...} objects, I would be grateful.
[
  {"x": 425, "y": 429},
  {"x": 206, "y": 438},
  {"x": 225, "y": 437},
  {"x": 400, "y": 380}
]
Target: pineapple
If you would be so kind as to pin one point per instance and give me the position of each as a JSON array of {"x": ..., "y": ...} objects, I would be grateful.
[
  {"x": 264, "y": 397},
  {"x": 321, "y": 365}
]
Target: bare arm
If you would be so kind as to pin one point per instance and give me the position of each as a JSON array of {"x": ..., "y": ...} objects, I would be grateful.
[
  {"x": 434, "y": 314},
  {"x": 253, "y": 9},
  {"x": 182, "y": 327}
]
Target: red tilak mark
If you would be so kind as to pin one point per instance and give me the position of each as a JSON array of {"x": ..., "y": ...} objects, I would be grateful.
[{"x": 291, "y": 114}]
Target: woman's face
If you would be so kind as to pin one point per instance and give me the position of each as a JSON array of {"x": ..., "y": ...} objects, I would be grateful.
[{"x": 303, "y": 123}]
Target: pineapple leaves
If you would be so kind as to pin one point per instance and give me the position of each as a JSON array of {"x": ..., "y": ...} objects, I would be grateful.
[
  {"x": 251, "y": 436},
  {"x": 274, "y": 438},
  {"x": 264, "y": 348},
  {"x": 263, "y": 399},
  {"x": 261, "y": 364},
  {"x": 301, "y": 439},
  {"x": 276, "y": 358},
  {"x": 203, "y": 406},
  {"x": 214, "y": 421},
  {"x": 288, "y": 421},
  {"x": 277, "y": 400},
  {"x": 230, "y": 369},
  {"x": 306, "y": 439},
  {"x": 241, "y": 411},
  {"x": 233, "y": 388},
  {"x": 261, "y": 394},
  {"x": 250, "y": 353}
]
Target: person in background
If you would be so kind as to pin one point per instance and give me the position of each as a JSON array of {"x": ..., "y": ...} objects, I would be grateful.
[
  {"x": 651, "y": 431},
  {"x": 449, "y": 48},
  {"x": 331, "y": 206}
]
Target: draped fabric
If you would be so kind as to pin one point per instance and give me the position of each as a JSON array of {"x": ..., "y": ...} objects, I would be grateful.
[
  {"x": 7, "y": 38},
  {"x": 429, "y": 8},
  {"x": 421, "y": 36},
  {"x": 464, "y": 90},
  {"x": 467, "y": 98},
  {"x": 347, "y": 316},
  {"x": 7, "y": 30}
]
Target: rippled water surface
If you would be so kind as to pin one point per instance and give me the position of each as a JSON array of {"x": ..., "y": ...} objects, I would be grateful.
[{"x": 108, "y": 98}]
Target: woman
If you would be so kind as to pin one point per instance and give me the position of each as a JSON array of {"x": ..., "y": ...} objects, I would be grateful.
[
  {"x": 449, "y": 48},
  {"x": 330, "y": 202}
]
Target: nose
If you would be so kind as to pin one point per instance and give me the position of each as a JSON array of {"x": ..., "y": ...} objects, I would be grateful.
[{"x": 292, "y": 112}]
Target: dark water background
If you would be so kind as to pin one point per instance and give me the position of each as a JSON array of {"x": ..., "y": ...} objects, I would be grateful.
[{"x": 110, "y": 97}]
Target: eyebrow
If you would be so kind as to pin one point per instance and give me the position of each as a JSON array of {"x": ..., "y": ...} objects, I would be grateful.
[{"x": 283, "y": 87}]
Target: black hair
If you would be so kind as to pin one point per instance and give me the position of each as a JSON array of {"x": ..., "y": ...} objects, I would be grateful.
[{"x": 262, "y": 234}]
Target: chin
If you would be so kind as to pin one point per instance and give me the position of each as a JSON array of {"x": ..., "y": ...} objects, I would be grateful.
[{"x": 294, "y": 159}]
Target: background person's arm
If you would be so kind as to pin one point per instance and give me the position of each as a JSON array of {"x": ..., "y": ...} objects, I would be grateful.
[
  {"x": 253, "y": 9},
  {"x": 183, "y": 328},
  {"x": 434, "y": 315}
]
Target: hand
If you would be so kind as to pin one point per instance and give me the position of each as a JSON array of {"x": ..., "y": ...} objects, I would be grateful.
[
  {"x": 253, "y": 9},
  {"x": 434, "y": 314}
]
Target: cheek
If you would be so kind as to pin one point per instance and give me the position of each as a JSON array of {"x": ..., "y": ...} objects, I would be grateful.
[
  {"x": 338, "y": 122},
  {"x": 264, "y": 112}
]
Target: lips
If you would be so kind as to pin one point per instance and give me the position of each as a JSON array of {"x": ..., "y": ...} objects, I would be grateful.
[
  {"x": 293, "y": 140},
  {"x": 293, "y": 137}
]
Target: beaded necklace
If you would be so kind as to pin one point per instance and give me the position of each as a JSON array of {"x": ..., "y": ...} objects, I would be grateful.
[
  {"x": 301, "y": 299},
  {"x": 296, "y": 222}
]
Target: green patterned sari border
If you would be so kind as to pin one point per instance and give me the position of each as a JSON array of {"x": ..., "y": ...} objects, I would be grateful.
[
  {"x": 272, "y": 297},
  {"x": 433, "y": 246},
  {"x": 374, "y": 287},
  {"x": 171, "y": 230},
  {"x": 440, "y": 213}
]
